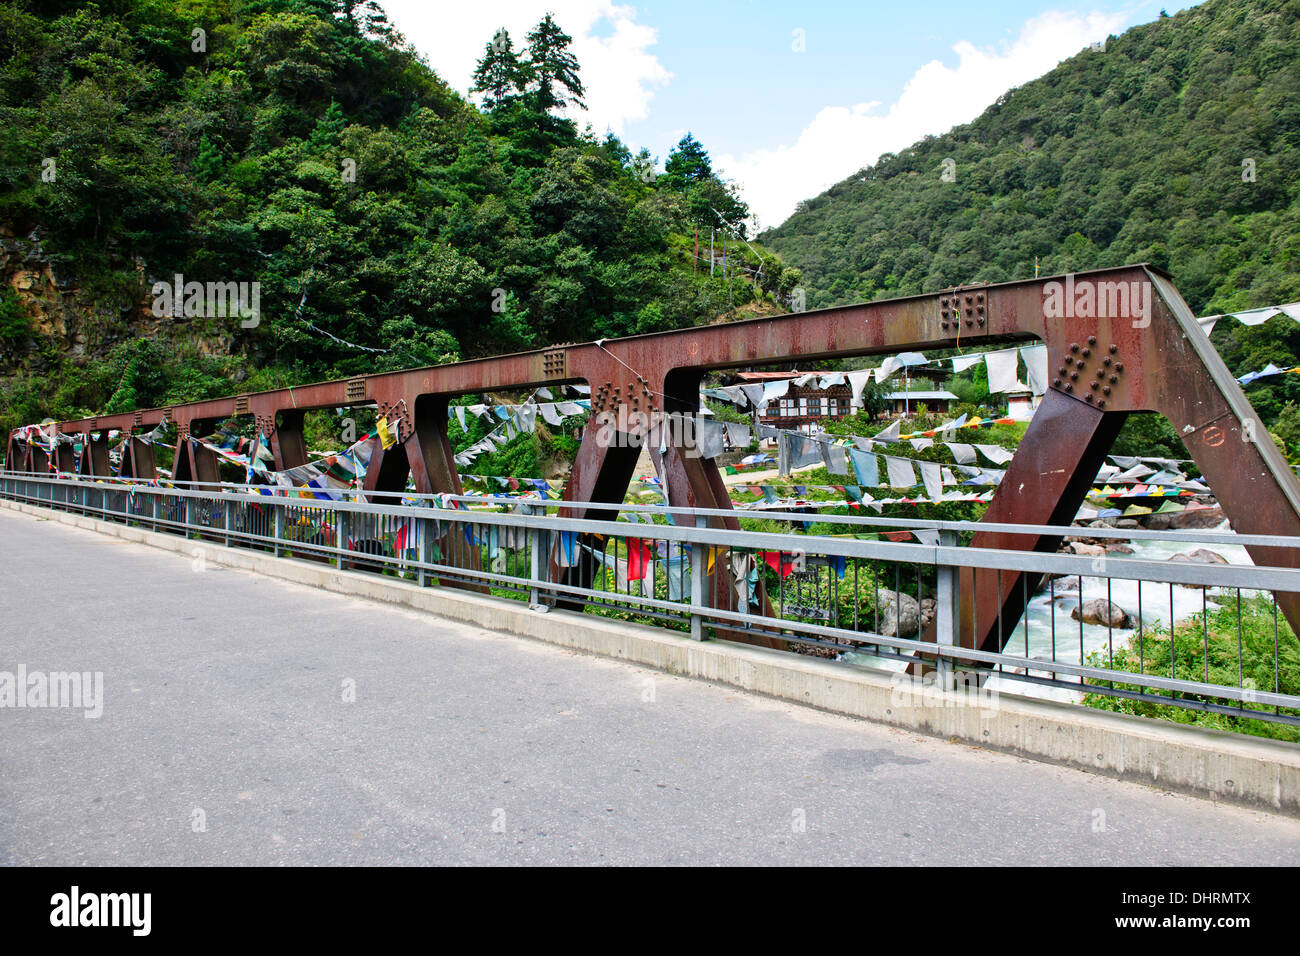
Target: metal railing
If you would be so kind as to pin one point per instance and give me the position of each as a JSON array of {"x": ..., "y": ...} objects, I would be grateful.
[{"x": 1204, "y": 637}]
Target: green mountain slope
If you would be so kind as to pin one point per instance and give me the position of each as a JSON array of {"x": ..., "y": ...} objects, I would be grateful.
[
  {"x": 302, "y": 145},
  {"x": 1141, "y": 151}
]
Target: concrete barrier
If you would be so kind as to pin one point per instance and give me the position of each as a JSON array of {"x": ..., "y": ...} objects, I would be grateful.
[{"x": 1207, "y": 763}]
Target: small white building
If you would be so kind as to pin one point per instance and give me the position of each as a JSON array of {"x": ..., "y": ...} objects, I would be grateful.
[
  {"x": 904, "y": 404},
  {"x": 1021, "y": 405}
]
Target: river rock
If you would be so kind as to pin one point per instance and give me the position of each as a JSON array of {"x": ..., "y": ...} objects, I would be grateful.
[
  {"x": 1103, "y": 612},
  {"x": 899, "y": 614},
  {"x": 1200, "y": 556},
  {"x": 927, "y": 612},
  {"x": 1087, "y": 550},
  {"x": 1210, "y": 517},
  {"x": 1118, "y": 547},
  {"x": 1197, "y": 518}
]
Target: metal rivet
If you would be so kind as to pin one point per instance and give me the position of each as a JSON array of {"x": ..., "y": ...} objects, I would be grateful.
[
  {"x": 1074, "y": 346},
  {"x": 1087, "y": 352},
  {"x": 1088, "y": 398},
  {"x": 1092, "y": 340},
  {"x": 1119, "y": 366},
  {"x": 1094, "y": 385},
  {"x": 1113, "y": 348},
  {"x": 1114, "y": 379},
  {"x": 1056, "y": 382},
  {"x": 1074, "y": 376},
  {"x": 1062, "y": 370},
  {"x": 1069, "y": 387},
  {"x": 1106, "y": 360},
  {"x": 1105, "y": 389}
]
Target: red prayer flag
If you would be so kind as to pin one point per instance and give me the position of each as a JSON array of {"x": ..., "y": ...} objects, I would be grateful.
[{"x": 639, "y": 556}]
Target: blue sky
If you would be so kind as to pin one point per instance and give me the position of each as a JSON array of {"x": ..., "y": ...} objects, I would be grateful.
[{"x": 783, "y": 122}]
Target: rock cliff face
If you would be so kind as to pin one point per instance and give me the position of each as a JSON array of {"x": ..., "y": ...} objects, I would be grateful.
[
  {"x": 27, "y": 271},
  {"x": 78, "y": 323}
]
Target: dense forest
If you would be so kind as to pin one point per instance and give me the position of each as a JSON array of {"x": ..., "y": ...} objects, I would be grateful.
[{"x": 303, "y": 144}]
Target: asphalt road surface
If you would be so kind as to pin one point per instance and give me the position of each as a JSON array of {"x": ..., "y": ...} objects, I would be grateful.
[{"x": 250, "y": 721}]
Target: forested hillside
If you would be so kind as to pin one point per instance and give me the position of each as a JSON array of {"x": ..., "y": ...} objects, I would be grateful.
[
  {"x": 1178, "y": 144},
  {"x": 303, "y": 145}
]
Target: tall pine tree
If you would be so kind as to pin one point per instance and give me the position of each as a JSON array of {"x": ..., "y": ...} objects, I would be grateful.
[
  {"x": 499, "y": 76},
  {"x": 687, "y": 165},
  {"x": 554, "y": 69}
]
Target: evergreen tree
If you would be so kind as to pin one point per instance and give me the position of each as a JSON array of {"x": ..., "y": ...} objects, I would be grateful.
[
  {"x": 554, "y": 69},
  {"x": 712, "y": 203},
  {"x": 687, "y": 165},
  {"x": 499, "y": 76}
]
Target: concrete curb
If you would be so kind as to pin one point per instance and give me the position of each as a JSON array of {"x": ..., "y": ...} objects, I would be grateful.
[{"x": 1222, "y": 766}]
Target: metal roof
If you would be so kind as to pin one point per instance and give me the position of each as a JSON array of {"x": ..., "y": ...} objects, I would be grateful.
[{"x": 899, "y": 396}]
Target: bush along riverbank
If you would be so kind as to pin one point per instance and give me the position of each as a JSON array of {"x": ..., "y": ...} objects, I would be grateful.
[{"x": 1204, "y": 647}]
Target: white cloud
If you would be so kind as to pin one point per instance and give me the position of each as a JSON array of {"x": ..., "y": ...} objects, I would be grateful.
[
  {"x": 618, "y": 69},
  {"x": 843, "y": 139}
]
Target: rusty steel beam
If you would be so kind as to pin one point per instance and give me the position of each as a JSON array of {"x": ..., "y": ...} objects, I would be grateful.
[
  {"x": 95, "y": 462},
  {"x": 65, "y": 458},
  {"x": 1142, "y": 352},
  {"x": 1045, "y": 483},
  {"x": 137, "y": 459},
  {"x": 15, "y": 453}
]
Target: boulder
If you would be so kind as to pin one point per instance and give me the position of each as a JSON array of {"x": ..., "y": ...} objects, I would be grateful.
[
  {"x": 1200, "y": 556},
  {"x": 899, "y": 614},
  {"x": 1103, "y": 612},
  {"x": 1064, "y": 582},
  {"x": 1086, "y": 550},
  {"x": 1118, "y": 547},
  {"x": 1196, "y": 518}
]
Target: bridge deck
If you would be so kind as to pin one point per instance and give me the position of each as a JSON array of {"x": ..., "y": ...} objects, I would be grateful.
[{"x": 234, "y": 705}]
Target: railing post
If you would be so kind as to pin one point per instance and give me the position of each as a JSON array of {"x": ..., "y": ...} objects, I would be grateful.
[
  {"x": 422, "y": 529},
  {"x": 947, "y": 610},
  {"x": 278, "y": 529},
  {"x": 229, "y": 520},
  {"x": 699, "y": 556},
  {"x": 341, "y": 537},
  {"x": 536, "y": 566}
]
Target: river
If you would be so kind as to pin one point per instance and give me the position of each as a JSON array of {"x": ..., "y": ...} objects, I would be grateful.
[{"x": 1046, "y": 635}]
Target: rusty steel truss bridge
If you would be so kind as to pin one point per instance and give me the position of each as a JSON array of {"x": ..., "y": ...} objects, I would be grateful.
[{"x": 1119, "y": 341}]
